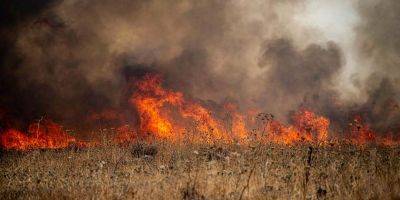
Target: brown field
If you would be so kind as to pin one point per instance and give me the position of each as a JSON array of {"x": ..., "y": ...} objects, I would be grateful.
[{"x": 170, "y": 171}]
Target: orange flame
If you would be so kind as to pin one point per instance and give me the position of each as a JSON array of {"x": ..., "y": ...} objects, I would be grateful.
[
  {"x": 362, "y": 134},
  {"x": 152, "y": 101},
  {"x": 48, "y": 135},
  {"x": 309, "y": 124},
  {"x": 168, "y": 115},
  {"x": 239, "y": 129},
  {"x": 149, "y": 101}
]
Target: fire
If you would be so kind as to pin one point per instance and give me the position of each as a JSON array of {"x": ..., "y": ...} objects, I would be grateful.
[
  {"x": 47, "y": 135},
  {"x": 239, "y": 129},
  {"x": 124, "y": 135},
  {"x": 309, "y": 124},
  {"x": 165, "y": 114},
  {"x": 361, "y": 134},
  {"x": 149, "y": 101},
  {"x": 155, "y": 106},
  {"x": 279, "y": 133}
]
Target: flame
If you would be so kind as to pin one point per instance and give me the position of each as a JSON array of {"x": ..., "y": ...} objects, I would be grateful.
[
  {"x": 306, "y": 127},
  {"x": 124, "y": 135},
  {"x": 152, "y": 102},
  {"x": 309, "y": 124},
  {"x": 47, "y": 135},
  {"x": 362, "y": 134},
  {"x": 149, "y": 101},
  {"x": 239, "y": 129},
  {"x": 168, "y": 115},
  {"x": 154, "y": 107},
  {"x": 279, "y": 133}
]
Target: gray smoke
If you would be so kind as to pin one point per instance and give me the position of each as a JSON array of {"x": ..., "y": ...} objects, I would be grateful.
[
  {"x": 75, "y": 57},
  {"x": 297, "y": 77},
  {"x": 378, "y": 39}
]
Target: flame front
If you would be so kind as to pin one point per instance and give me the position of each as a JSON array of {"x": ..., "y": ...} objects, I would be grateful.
[
  {"x": 46, "y": 135},
  {"x": 168, "y": 115},
  {"x": 156, "y": 107}
]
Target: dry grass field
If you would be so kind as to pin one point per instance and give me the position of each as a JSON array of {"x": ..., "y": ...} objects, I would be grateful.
[{"x": 171, "y": 171}]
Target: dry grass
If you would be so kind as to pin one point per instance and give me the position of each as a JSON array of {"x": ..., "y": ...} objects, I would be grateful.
[{"x": 167, "y": 171}]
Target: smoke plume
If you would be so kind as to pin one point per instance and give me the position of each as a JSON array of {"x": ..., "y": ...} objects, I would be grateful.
[
  {"x": 379, "y": 45},
  {"x": 66, "y": 59}
]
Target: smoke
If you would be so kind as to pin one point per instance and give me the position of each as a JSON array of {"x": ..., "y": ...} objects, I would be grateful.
[
  {"x": 379, "y": 45},
  {"x": 297, "y": 77},
  {"x": 71, "y": 58}
]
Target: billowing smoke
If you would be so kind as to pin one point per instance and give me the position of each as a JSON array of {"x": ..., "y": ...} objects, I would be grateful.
[
  {"x": 71, "y": 58},
  {"x": 379, "y": 45},
  {"x": 296, "y": 77}
]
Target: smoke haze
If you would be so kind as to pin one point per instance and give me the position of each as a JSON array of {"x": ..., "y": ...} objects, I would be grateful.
[{"x": 69, "y": 58}]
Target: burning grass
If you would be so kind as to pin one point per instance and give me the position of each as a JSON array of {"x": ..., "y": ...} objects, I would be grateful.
[
  {"x": 181, "y": 148},
  {"x": 164, "y": 114},
  {"x": 164, "y": 170}
]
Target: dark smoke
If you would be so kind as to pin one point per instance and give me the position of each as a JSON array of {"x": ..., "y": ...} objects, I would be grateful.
[
  {"x": 71, "y": 58},
  {"x": 378, "y": 39},
  {"x": 299, "y": 77},
  {"x": 15, "y": 100},
  {"x": 67, "y": 59}
]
